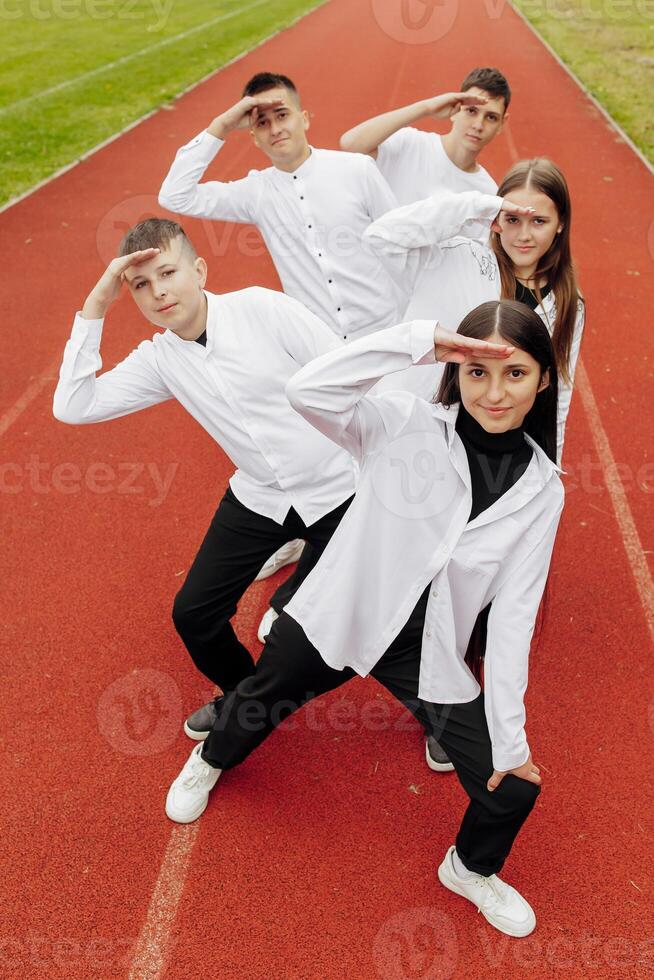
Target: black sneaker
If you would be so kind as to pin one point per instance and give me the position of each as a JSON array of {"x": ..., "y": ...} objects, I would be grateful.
[
  {"x": 198, "y": 725},
  {"x": 437, "y": 758}
]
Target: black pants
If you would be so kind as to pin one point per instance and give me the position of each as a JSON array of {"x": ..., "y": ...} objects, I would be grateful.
[
  {"x": 235, "y": 547},
  {"x": 291, "y": 672}
]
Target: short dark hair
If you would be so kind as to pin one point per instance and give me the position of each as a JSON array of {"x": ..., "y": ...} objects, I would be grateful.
[
  {"x": 265, "y": 80},
  {"x": 491, "y": 80},
  {"x": 154, "y": 233}
]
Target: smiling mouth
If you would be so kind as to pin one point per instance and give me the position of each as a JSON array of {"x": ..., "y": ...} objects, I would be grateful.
[
  {"x": 495, "y": 411},
  {"x": 164, "y": 309}
]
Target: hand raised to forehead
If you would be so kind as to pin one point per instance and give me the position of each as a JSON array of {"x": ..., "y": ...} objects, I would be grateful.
[
  {"x": 447, "y": 105},
  {"x": 457, "y": 349},
  {"x": 107, "y": 289}
]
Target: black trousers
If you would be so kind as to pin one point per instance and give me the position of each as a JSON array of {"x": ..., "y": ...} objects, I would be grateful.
[
  {"x": 234, "y": 548},
  {"x": 291, "y": 672}
]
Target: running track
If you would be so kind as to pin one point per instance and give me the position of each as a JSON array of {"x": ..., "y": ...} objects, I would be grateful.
[{"x": 317, "y": 859}]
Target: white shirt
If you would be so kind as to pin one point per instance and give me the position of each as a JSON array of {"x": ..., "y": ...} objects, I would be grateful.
[
  {"x": 443, "y": 244},
  {"x": 415, "y": 165},
  {"x": 234, "y": 387},
  {"x": 312, "y": 221},
  {"x": 408, "y": 526}
]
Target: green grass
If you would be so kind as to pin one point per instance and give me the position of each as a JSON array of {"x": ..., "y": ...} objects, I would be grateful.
[
  {"x": 609, "y": 45},
  {"x": 57, "y": 41}
]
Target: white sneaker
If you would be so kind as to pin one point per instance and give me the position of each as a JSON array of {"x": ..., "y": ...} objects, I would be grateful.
[
  {"x": 287, "y": 554},
  {"x": 189, "y": 794},
  {"x": 436, "y": 756},
  {"x": 266, "y": 623},
  {"x": 499, "y": 903}
]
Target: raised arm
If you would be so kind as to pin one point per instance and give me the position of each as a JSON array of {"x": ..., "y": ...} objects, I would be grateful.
[
  {"x": 182, "y": 191},
  {"x": 369, "y": 135},
  {"x": 330, "y": 391},
  {"x": 82, "y": 397},
  {"x": 510, "y": 628}
]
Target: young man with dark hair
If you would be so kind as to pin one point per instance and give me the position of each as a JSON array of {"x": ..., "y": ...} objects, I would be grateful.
[
  {"x": 226, "y": 359},
  {"x": 311, "y": 207},
  {"x": 416, "y": 163}
]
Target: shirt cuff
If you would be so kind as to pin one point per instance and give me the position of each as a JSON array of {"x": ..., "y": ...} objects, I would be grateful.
[
  {"x": 422, "y": 342},
  {"x": 503, "y": 761},
  {"x": 208, "y": 143},
  {"x": 84, "y": 329}
]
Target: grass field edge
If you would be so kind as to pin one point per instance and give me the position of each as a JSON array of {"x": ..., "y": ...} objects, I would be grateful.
[
  {"x": 598, "y": 105},
  {"x": 160, "y": 108}
]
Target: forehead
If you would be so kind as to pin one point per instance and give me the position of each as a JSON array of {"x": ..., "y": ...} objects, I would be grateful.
[
  {"x": 494, "y": 104},
  {"x": 531, "y": 197},
  {"x": 281, "y": 94},
  {"x": 519, "y": 356},
  {"x": 170, "y": 254}
]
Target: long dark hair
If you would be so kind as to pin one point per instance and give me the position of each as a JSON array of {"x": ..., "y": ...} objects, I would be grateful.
[
  {"x": 556, "y": 266},
  {"x": 522, "y": 328}
]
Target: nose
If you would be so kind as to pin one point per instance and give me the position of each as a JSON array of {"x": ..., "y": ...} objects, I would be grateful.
[
  {"x": 160, "y": 289},
  {"x": 495, "y": 391}
]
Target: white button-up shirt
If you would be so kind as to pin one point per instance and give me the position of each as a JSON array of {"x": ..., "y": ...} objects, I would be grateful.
[
  {"x": 312, "y": 221},
  {"x": 415, "y": 165},
  {"x": 408, "y": 527},
  {"x": 234, "y": 387},
  {"x": 442, "y": 244}
]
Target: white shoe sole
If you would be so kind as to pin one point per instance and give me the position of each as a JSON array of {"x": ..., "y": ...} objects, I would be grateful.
[
  {"x": 446, "y": 880},
  {"x": 273, "y": 565},
  {"x": 184, "y": 817},
  {"x": 437, "y": 766},
  {"x": 196, "y": 736}
]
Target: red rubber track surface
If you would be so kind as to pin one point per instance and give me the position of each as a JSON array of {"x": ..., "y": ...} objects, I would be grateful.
[{"x": 317, "y": 858}]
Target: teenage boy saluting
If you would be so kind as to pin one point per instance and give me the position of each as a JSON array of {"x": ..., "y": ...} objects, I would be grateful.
[
  {"x": 417, "y": 164},
  {"x": 311, "y": 207},
  {"x": 226, "y": 359}
]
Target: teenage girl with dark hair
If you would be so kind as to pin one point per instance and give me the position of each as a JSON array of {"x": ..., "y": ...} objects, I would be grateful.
[
  {"x": 427, "y": 543},
  {"x": 486, "y": 251}
]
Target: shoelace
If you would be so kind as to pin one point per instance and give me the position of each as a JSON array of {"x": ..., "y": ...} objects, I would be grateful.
[
  {"x": 492, "y": 893},
  {"x": 197, "y": 772}
]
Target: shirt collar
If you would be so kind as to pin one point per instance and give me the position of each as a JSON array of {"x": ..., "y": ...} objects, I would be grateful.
[
  {"x": 448, "y": 414},
  {"x": 301, "y": 171}
]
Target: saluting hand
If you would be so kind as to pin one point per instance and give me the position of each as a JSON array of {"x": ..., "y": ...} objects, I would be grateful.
[
  {"x": 445, "y": 106},
  {"x": 241, "y": 115},
  {"x": 527, "y": 771},
  {"x": 107, "y": 289},
  {"x": 457, "y": 349}
]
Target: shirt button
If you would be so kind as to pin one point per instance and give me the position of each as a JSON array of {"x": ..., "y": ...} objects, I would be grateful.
[
  {"x": 294, "y": 177},
  {"x": 428, "y": 633},
  {"x": 434, "y": 593},
  {"x": 301, "y": 197},
  {"x": 310, "y": 226},
  {"x": 338, "y": 309},
  {"x": 330, "y": 280}
]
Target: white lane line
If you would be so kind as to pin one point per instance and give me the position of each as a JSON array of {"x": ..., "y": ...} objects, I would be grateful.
[
  {"x": 152, "y": 947},
  {"x": 31, "y": 392},
  {"x": 626, "y": 523},
  {"x": 129, "y": 57}
]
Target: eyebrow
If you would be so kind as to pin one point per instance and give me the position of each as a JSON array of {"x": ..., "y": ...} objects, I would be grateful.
[
  {"x": 511, "y": 367},
  {"x": 139, "y": 275}
]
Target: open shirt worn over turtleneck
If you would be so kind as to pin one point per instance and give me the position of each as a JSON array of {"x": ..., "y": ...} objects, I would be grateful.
[{"x": 497, "y": 460}]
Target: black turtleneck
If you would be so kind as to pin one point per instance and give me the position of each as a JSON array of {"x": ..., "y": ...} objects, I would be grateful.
[
  {"x": 497, "y": 460},
  {"x": 202, "y": 339}
]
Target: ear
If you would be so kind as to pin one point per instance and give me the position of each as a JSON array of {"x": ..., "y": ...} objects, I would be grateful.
[
  {"x": 201, "y": 271},
  {"x": 496, "y": 227},
  {"x": 306, "y": 119},
  {"x": 559, "y": 229},
  {"x": 544, "y": 382}
]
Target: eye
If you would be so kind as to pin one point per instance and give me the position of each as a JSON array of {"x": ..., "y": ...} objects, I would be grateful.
[
  {"x": 540, "y": 221},
  {"x": 510, "y": 219},
  {"x": 477, "y": 373},
  {"x": 139, "y": 284},
  {"x": 472, "y": 109},
  {"x": 517, "y": 373},
  {"x": 168, "y": 272}
]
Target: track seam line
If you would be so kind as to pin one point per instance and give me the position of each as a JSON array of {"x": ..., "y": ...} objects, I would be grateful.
[
  {"x": 630, "y": 537},
  {"x": 45, "y": 93},
  {"x": 152, "y": 947}
]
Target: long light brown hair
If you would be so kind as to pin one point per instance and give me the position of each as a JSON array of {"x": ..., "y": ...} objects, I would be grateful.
[{"x": 556, "y": 264}]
